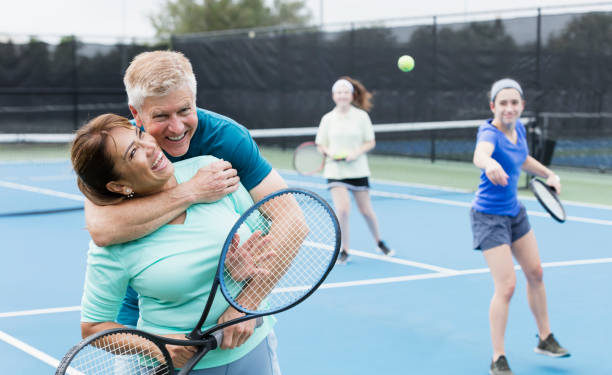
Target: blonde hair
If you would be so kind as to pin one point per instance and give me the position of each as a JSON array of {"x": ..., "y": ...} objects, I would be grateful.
[{"x": 157, "y": 73}]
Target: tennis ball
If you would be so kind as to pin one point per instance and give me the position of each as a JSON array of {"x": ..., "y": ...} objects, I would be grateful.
[
  {"x": 405, "y": 63},
  {"x": 341, "y": 155}
]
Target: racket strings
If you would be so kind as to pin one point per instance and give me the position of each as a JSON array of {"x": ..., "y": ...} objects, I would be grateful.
[
  {"x": 119, "y": 353},
  {"x": 302, "y": 243}
]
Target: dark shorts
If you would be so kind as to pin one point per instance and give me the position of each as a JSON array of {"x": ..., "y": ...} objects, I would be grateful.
[
  {"x": 490, "y": 230},
  {"x": 359, "y": 183}
]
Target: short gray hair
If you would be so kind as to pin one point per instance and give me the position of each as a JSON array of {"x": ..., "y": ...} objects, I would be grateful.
[{"x": 157, "y": 73}]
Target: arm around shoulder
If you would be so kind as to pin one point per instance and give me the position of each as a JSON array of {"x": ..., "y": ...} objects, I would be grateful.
[{"x": 135, "y": 218}]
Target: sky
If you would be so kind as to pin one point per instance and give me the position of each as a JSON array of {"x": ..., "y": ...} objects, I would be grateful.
[{"x": 130, "y": 18}]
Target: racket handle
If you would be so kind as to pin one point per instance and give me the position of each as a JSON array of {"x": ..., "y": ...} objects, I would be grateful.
[{"x": 218, "y": 335}]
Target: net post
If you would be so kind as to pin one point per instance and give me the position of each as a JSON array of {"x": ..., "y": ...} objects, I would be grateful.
[{"x": 432, "y": 149}]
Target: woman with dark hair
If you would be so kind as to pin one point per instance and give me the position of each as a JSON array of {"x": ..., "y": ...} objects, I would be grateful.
[
  {"x": 346, "y": 133},
  {"x": 500, "y": 225},
  {"x": 172, "y": 268}
]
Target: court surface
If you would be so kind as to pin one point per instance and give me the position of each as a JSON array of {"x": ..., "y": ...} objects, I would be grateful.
[{"x": 424, "y": 311}]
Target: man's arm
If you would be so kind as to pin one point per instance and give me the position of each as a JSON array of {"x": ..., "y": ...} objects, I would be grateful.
[
  {"x": 271, "y": 183},
  {"x": 235, "y": 335},
  {"x": 135, "y": 218}
]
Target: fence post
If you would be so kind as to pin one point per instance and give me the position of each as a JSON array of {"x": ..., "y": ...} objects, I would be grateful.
[
  {"x": 283, "y": 78},
  {"x": 75, "y": 84},
  {"x": 538, "y": 49},
  {"x": 434, "y": 79}
]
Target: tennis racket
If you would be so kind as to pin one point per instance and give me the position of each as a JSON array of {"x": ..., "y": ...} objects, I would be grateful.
[
  {"x": 301, "y": 232},
  {"x": 548, "y": 199},
  {"x": 309, "y": 160}
]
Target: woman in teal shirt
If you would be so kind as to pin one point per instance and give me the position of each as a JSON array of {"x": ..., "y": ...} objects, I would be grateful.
[{"x": 172, "y": 269}]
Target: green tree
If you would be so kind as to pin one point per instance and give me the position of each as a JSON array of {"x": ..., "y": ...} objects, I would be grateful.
[
  {"x": 192, "y": 16},
  {"x": 591, "y": 32}
]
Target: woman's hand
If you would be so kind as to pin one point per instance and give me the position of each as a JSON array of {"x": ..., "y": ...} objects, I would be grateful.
[
  {"x": 554, "y": 182},
  {"x": 242, "y": 262},
  {"x": 237, "y": 334},
  {"x": 352, "y": 156},
  {"x": 495, "y": 173},
  {"x": 180, "y": 354}
]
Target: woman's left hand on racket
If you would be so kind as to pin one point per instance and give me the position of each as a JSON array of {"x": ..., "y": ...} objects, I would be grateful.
[{"x": 554, "y": 181}]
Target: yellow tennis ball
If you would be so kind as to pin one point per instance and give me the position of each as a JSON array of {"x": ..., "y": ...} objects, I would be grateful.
[
  {"x": 405, "y": 63},
  {"x": 341, "y": 155}
]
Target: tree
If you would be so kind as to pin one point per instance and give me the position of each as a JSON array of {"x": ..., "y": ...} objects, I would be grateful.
[{"x": 192, "y": 16}]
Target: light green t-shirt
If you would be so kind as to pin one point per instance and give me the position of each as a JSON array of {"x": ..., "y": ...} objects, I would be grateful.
[
  {"x": 172, "y": 269},
  {"x": 344, "y": 133}
]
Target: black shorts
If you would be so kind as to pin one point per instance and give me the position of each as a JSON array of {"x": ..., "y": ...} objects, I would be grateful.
[{"x": 357, "y": 184}]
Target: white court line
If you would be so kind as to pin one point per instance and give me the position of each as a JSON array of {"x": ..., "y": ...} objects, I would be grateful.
[
  {"x": 384, "y": 258},
  {"x": 40, "y": 311},
  {"x": 439, "y": 275},
  {"x": 34, "y": 189},
  {"x": 44, "y": 357},
  {"x": 432, "y": 275},
  {"x": 405, "y": 262},
  {"x": 448, "y": 202},
  {"x": 59, "y": 177}
]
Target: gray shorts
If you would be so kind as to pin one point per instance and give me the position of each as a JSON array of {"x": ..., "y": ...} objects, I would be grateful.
[
  {"x": 490, "y": 230},
  {"x": 262, "y": 360}
]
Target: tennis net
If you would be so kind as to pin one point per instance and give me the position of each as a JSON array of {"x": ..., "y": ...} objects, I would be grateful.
[
  {"x": 447, "y": 140},
  {"x": 574, "y": 140},
  {"x": 40, "y": 187}
]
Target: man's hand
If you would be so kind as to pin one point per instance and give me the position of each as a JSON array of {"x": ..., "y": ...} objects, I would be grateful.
[
  {"x": 237, "y": 334},
  {"x": 213, "y": 182},
  {"x": 180, "y": 354}
]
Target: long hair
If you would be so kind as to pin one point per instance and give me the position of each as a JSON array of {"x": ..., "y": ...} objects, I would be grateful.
[
  {"x": 362, "y": 98},
  {"x": 91, "y": 160}
]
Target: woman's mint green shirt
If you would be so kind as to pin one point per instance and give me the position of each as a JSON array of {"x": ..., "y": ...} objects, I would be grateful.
[{"x": 172, "y": 269}]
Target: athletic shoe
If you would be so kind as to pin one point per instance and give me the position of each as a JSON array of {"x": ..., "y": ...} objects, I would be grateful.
[
  {"x": 342, "y": 257},
  {"x": 383, "y": 248},
  {"x": 500, "y": 367},
  {"x": 551, "y": 347}
]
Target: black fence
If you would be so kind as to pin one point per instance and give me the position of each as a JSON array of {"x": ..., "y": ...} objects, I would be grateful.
[
  {"x": 55, "y": 87},
  {"x": 273, "y": 78}
]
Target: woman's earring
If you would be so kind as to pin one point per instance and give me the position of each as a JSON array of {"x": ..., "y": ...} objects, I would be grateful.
[{"x": 130, "y": 193}]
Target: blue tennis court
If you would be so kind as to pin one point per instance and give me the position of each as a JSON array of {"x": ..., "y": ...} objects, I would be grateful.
[{"x": 424, "y": 311}]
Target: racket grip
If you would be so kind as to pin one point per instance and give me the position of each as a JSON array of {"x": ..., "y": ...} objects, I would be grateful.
[{"x": 218, "y": 335}]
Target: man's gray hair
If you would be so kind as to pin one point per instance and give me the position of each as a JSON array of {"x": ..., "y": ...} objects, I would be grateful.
[{"x": 157, "y": 73}]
